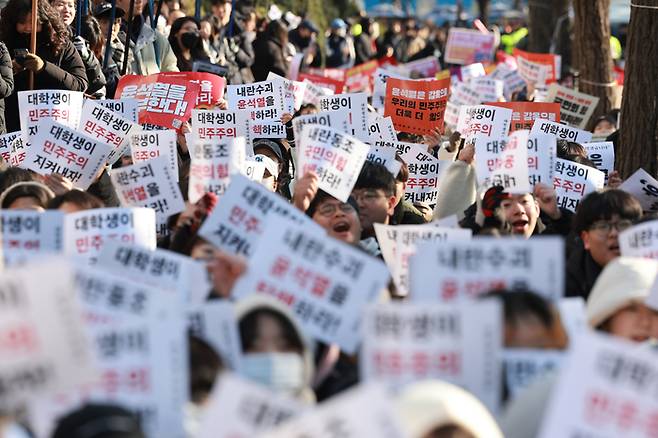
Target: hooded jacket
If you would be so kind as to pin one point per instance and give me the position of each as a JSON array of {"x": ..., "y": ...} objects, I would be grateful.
[
  {"x": 269, "y": 56},
  {"x": 144, "y": 60}
]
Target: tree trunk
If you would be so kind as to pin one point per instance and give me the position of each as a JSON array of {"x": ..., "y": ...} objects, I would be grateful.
[
  {"x": 542, "y": 18},
  {"x": 639, "y": 107},
  {"x": 592, "y": 56}
]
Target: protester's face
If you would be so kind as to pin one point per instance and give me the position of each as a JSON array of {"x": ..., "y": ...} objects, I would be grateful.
[
  {"x": 24, "y": 25},
  {"x": 634, "y": 323},
  {"x": 375, "y": 207},
  {"x": 264, "y": 150},
  {"x": 270, "y": 337},
  {"x": 602, "y": 239},
  {"x": 304, "y": 33},
  {"x": 175, "y": 15},
  {"x": 66, "y": 10},
  {"x": 269, "y": 181},
  {"x": 26, "y": 203},
  {"x": 604, "y": 127},
  {"x": 223, "y": 12},
  {"x": 339, "y": 220},
  {"x": 521, "y": 212},
  {"x": 69, "y": 207}
]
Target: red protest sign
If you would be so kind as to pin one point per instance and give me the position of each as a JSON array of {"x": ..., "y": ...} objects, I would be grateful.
[
  {"x": 416, "y": 107},
  {"x": 337, "y": 74},
  {"x": 164, "y": 100},
  {"x": 360, "y": 78},
  {"x": 524, "y": 114},
  {"x": 553, "y": 61},
  {"x": 324, "y": 82},
  {"x": 211, "y": 87}
]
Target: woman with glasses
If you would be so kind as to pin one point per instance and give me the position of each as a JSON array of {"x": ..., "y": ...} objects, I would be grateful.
[{"x": 600, "y": 217}]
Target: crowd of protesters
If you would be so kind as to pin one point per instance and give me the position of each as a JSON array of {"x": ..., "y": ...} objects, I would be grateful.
[{"x": 72, "y": 53}]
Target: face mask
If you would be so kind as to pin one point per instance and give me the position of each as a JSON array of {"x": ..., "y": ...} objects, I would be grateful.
[
  {"x": 189, "y": 39},
  {"x": 281, "y": 372}
]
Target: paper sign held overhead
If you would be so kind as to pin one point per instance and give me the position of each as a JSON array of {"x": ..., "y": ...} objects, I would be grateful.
[
  {"x": 416, "y": 106},
  {"x": 63, "y": 107},
  {"x": 602, "y": 154},
  {"x": 106, "y": 126},
  {"x": 147, "y": 145},
  {"x": 561, "y": 132},
  {"x": 640, "y": 240},
  {"x": 126, "y": 108},
  {"x": 355, "y": 105},
  {"x": 504, "y": 163},
  {"x": 214, "y": 321},
  {"x": 644, "y": 187},
  {"x": 573, "y": 181},
  {"x": 466, "y": 46},
  {"x": 575, "y": 108},
  {"x": 524, "y": 114},
  {"x": 26, "y": 234},
  {"x": 212, "y": 164}
]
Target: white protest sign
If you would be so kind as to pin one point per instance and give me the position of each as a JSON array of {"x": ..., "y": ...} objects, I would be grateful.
[
  {"x": 576, "y": 108},
  {"x": 470, "y": 71},
  {"x": 214, "y": 321},
  {"x": 542, "y": 153},
  {"x": 107, "y": 126},
  {"x": 602, "y": 154},
  {"x": 239, "y": 408},
  {"x": 159, "y": 268},
  {"x": 466, "y": 46},
  {"x": 448, "y": 271},
  {"x": 606, "y": 388},
  {"x": 513, "y": 81},
  {"x": 127, "y": 108},
  {"x": 293, "y": 92},
  {"x": 400, "y": 147},
  {"x": 483, "y": 122},
  {"x": 524, "y": 366},
  {"x": 254, "y": 170},
  {"x": 264, "y": 100},
  {"x": 237, "y": 223},
  {"x": 562, "y": 132},
  {"x": 459, "y": 343},
  {"x": 252, "y": 128},
  {"x": 451, "y": 116},
  {"x": 488, "y": 88},
  {"x": 504, "y": 163},
  {"x": 385, "y": 157},
  {"x": 338, "y": 281},
  {"x": 407, "y": 239},
  {"x": 86, "y": 231},
  {"x": 17, "y": 154},
  {"x": 44, "y": 346},
  {"x": 337, "y": 120},
  {"x": 344, "y": 416},
  {"x": 149, "y": 184},
  {"x": 60, "y": 149},
  {"x": 572, "y": 314},
  {"x": 26, "y": 234},
  {"x": 421, "y": 68},
  {"x": 147, "y": 145},
  {"x": 379, "y": 88},
  {"x": 644, "y": 187},
  {"x": 356, "y": 106},
  {"x": 314, "y": 93},
  {"x": 336, "y": 158},
  {"x": 214, "y": 125},
  {"x": 533, "y": 72},
  {"x": 640, "y": 240},
  {"x": 380, "y": 128},
  {"x": 424, "y": 171},
  {"x": 212, "y": 164},
  {"x": 61, "y": 106},
  {"x": 573, "y": 181},
  {"x": 5, "y": 145},
  {"x": 464, "y": 94}
]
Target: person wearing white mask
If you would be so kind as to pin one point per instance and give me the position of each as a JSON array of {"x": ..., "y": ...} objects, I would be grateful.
[
  {"x": 276, "y": 353},
  {"x": 271, "y": 174}
]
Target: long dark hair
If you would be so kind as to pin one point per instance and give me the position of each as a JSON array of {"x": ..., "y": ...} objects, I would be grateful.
[
  {"x": 277, "y": 31},
  {"x": 197, "y": 52},
  {"x": 53, "y": 30}
]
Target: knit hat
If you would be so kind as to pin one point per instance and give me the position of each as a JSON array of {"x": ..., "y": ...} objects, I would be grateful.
[
  {"x": 623, "y": 281},
  {"x": 492, "y": 199},
  {"x": 428, "y": 405}
]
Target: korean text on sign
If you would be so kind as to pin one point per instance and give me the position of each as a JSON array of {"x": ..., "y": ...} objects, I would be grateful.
[
  {"x": 644, "y": 187},
  {"x": 28, "y": 233},
  {"x": 466, "y": 46},
  {"x": 417, "y": 107},
  {"x": 524, "y": 114},
  {"x": 107, "y": 126},
  {"x": 64, "y": 107},
  {"x": 212, "y": 164},
  {"x": 561, "y": 132},
  {"x": 572, "y": 181}
]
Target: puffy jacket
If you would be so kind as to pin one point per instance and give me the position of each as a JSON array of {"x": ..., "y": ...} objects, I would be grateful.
[
  {"x": 6, "y": 82},
  {"x": 60, "y": 72},
  {"x": 269, "y": 57},
  {"x": 93, "y": 68},
  {"x": 144, "y": 60}
]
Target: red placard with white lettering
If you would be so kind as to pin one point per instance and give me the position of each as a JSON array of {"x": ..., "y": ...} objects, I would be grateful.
[
  {"x": 417, "y": 107},
  {"x": 324, "y": 82},
  {"x": 524, "y": 114},
  {"x": 211, "y": 87},
  {"x": 553, "y": 61}
]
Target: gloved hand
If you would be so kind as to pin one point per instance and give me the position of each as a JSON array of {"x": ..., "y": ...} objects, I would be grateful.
[{"x": 81, "y": 46}]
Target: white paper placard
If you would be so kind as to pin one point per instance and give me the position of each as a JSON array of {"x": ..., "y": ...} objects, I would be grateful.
[
  {"x": 572, "y": 314},
  {"x": 606, "y": 389},
  {"x": 542, "y": 153},
  {"x": 6, "y": 141},
  {"x": 356, "y": 106},
  {"x": 449, "y": 271},
  {"x": 488, "y": 88},
  {"x": 252, "y": 127},
  {"x": 127, "y": 108},
  {"x": 513, "y": 81},
  {"x": 237, "y": 223},
  {"x": 380, "y": 128},
  {"x": 59, "y": 149},
  {"x": 640, "y": 240},
  {"x": 239, "y": 408},
  {"x": 504, "y": 163},
  {"x": 533, "y": 72},
  {"x": 336, "y": 158},
  {"x": 212, "y": 164},
  {"x": 561, "y": 132},
  {"x": 107, "y": 126},
  {"x": 379, "y": 87},
  {"x": 293, "y": 92},
  {"x": 344, "y": 416},
  {"x": 160, "y": 268},
  {"x": 644, "y": 187},
  {"x": 459, "y": 343},
  {"x": 18, "y": 150},
  {"x": 524, "y": 366},
  {"x": 61, "y": 106},
  {"x": 149, "y": 184},
  {"x": 26, "y": 234},
  {"x": 214, "y": 125},
  {"x": 424, "y": 174},
  {"x": 385, "y": 157},
  {"x": 86, "y": 231},
  {"x": 483, "y": 122},
  {"x": 401, "y": 147},
  {"x": 573, "y": 181},
  {"x": 215, "y": 322},
  {"x": 43, "y": 333},
  {"x": 254, "y": 170},
  {"x": 265, "y": 99},
  {"x": 314, "y": 93},
  {"x": 147, "y": 145},
  {"x": 463, "y": 94},
  {"x": 338, "y": 120},
  {"x": 576, "y": 108},
  {"x": 328, "y": 300},
  {"x": 602, "y": 155}
]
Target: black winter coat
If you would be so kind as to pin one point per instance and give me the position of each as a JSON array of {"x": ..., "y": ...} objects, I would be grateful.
[
  {"x": 269, "y": 57},
  {"x": 6, "y": 83},
  {"x": 61, "y": 72}
]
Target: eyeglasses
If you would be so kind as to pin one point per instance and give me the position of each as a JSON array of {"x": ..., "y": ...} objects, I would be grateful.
[
  {"x": 327, "y": 210},
  {"x": 607, "y": 226},
  {"x": 366, "y": 197}
]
